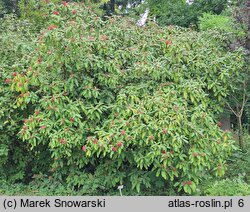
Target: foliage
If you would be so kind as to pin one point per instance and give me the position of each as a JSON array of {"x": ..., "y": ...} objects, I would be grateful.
[
  {"x": 41, "y": 186},
  {"x": 36, "y": 12},
  {"x": 228, "y": 187},
  {"x": 102, "y": 103},
  {"x": 210, "y": 21},
  {"x": 213, "y": 6},
  {"x": 178, "y": 12},
  {"x": 16, "y": 44},
  {"x": 7, "y": 6},
  {"x": 171, "y": 12},
  {"x": 239, "y": 163}
]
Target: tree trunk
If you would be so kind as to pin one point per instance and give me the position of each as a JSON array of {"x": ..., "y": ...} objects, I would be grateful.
[
  {"x": 239, "y": 125},
  {"x": 240, "y": 132}
]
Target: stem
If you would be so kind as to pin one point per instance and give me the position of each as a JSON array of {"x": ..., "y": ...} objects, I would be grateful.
[
  {"x": 240, "y": 129},
  {"x": 240, "y": 133}
]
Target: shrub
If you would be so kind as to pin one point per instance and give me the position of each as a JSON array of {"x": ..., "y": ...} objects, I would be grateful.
[
  {"x": 210, "y": 21},
  {"x": 119, "y": 104},
  {"x": 35, "y": 12},
  {"x": 16, "y": 44},
  {"x": 228, "y": 187}
]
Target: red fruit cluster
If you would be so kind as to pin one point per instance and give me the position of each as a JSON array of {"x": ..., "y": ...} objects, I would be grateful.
[
  {"x": 72, "y": 119},
  {"x": 40, "y": 59},
  {"x": 195, "y": 154},
  {"x": 163, "y": 151},
  {"x": 56, "y": 13},
  {"x": 114, "y": 149},
  {"x": 168, "y": 42},
  {"x": 51, "y": 27},
  {"x": 74, "y": 12},
  {"x": 119, "y": 144},
  {"x": 64, "y": 3},
  {"x": 95, "y": 141},
  {"x": 84, "y": 148},
  {"x": 14, "y": 74},
  {"x": 123, "y": 132},
  {"x": 62, "y": 141},
  {"x": 37, "y": 112},
  {"x": 164, "y": 131},
  {"x": 219, "y": 124},
  {"x": 7, "y": 80}
]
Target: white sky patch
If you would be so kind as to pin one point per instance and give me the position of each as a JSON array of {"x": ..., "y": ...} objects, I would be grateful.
[{"x": 189, "y": 2}]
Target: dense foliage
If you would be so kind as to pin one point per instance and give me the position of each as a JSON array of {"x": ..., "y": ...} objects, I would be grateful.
[
  {"x": 179, "y": 12},
  {"x": 106, "y": 100}
]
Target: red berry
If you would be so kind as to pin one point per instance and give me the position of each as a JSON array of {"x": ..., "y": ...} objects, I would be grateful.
[
  {"x": 14, "y": 74},
  {"x": 72, "y": 119},
  {"x": 163, "y": 151},
  {"x": 95, "y": 141},
  {"x": 114, "y": 149},
  {"x": 62, "y": 141},
  {"x": 164, "y": 131},
  {"x": 168, "y": 42},
  {"x": 123, "y": 132},
  {"x": 25, "y": 120},
  {"x": 37, "y": 112},
  {"x": 84, "y": 148},
  {"x": 7, "y": 80},
  {"x": 51, "y": 27},
  {"x": 53, "y": 99},
  {"x": 219, "y": 124},
  {"x": 218, "y": 141},
  {"x": 55, "y": 13},
  {"x": 119, "y": 144},
  {"x": 65, "y": 3},
  {"x": 74, "y": 12},
  {"x": 40, "y": 59},
  {"x": 195, "y": 154}
]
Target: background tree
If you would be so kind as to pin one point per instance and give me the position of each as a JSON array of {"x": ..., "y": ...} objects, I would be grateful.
[{"x": 178, "y": 12}]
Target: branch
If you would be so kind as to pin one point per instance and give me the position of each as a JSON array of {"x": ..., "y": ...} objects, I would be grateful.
[{"x": 232, "y": 110}]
